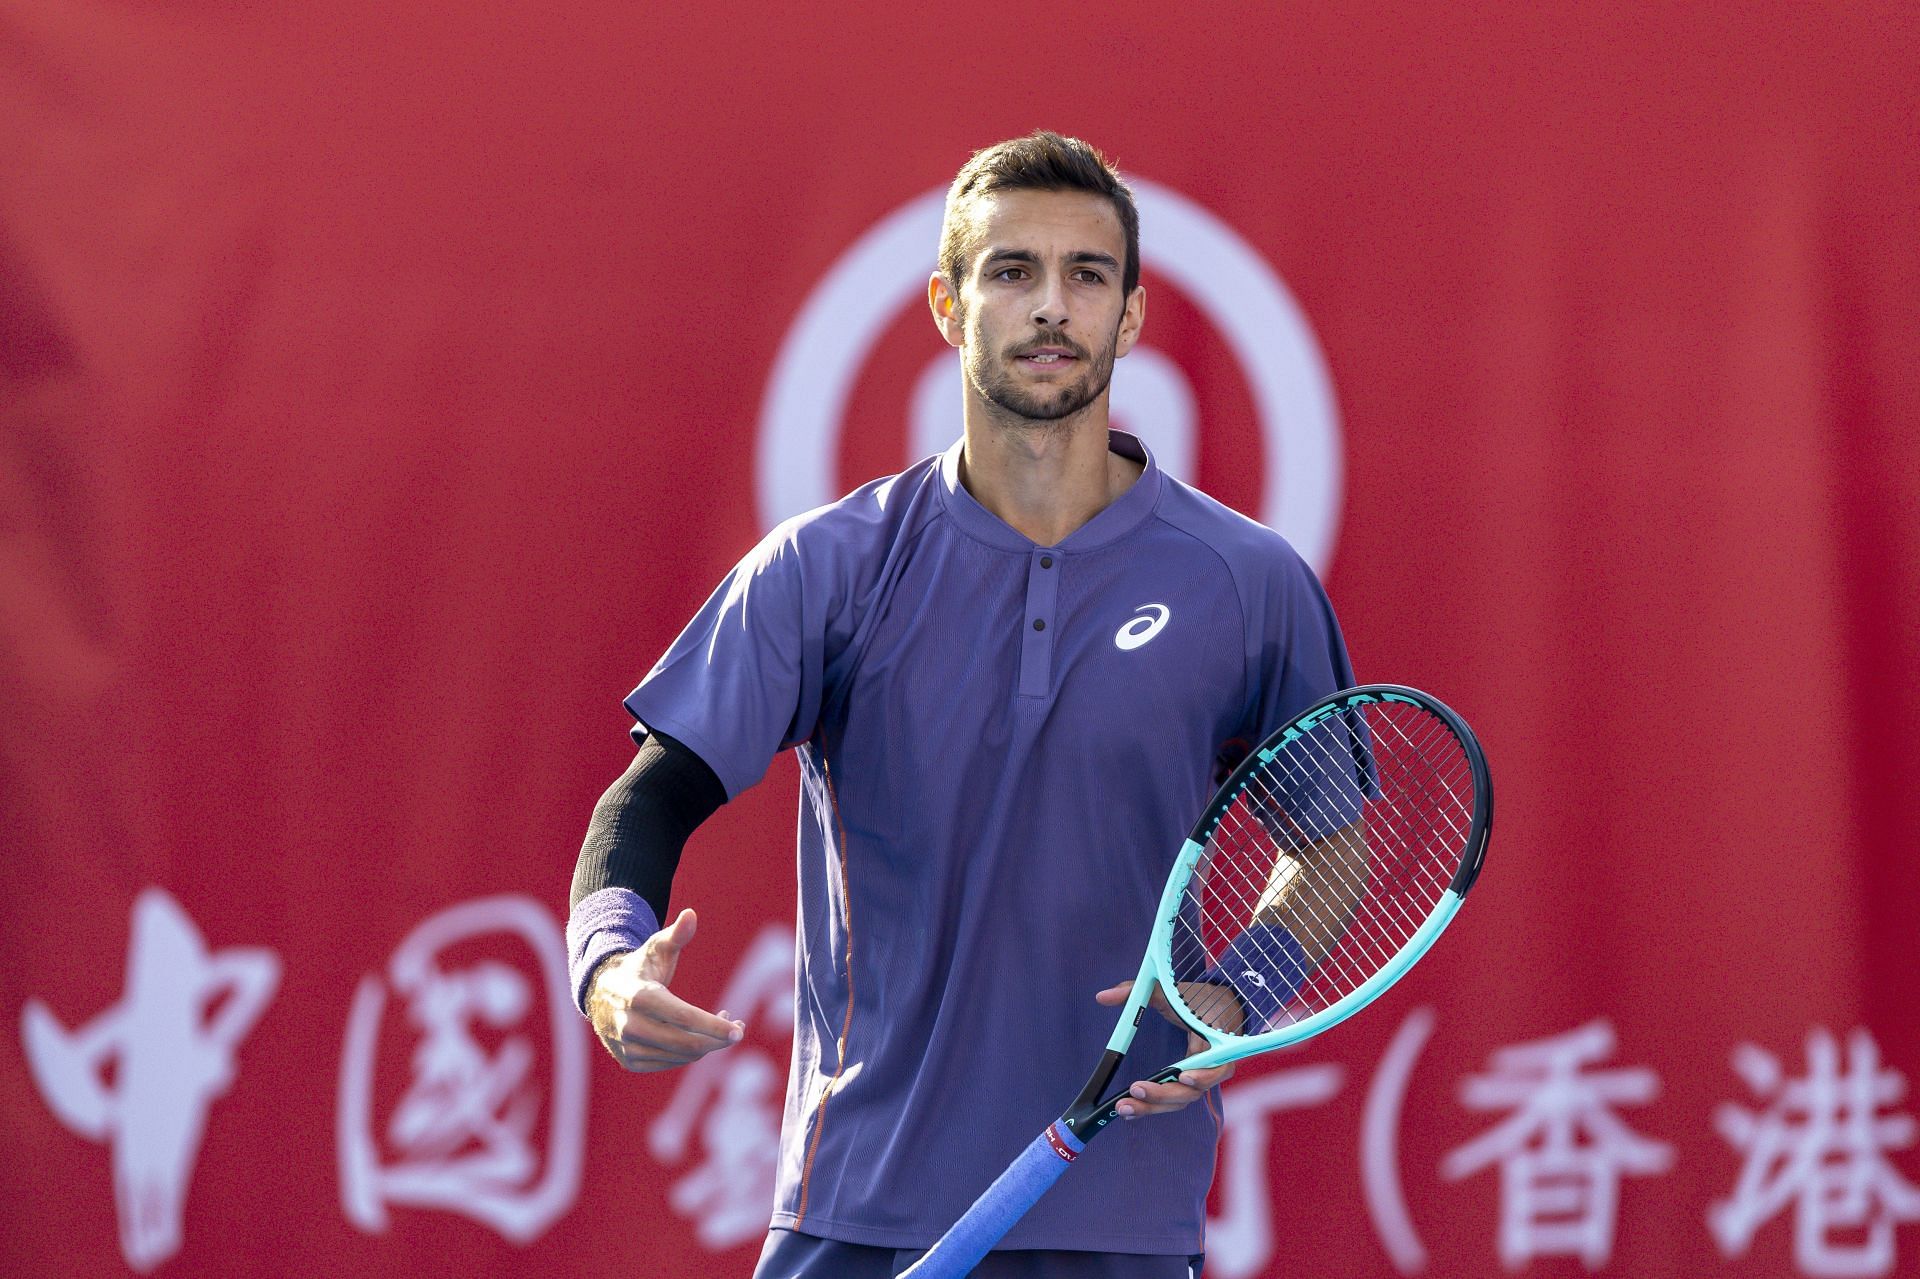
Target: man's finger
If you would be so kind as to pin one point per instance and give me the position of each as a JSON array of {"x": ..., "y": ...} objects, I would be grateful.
[
  {"x": 1157, "y": 1099},
  {"x": 654, "y": 1037},
  {"x": 651, "y": 1059},
  {"x": 658, "y": 1004},
  {"x": 639, "y": 1028},
  {"x": 648, "y": 1061},
  {"x": 655, "y": 1054},
  {"x": 1148, "y": 1098},
  {"x": 628, "y": 1055},
  {"x": 1118, "y": 995}
]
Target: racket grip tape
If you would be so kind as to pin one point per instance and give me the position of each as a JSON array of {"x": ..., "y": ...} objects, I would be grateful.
[{"x": 999, "y": 1206}]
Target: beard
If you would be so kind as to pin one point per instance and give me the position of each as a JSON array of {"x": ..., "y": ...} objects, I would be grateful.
[{"x": 998, "y": 383}]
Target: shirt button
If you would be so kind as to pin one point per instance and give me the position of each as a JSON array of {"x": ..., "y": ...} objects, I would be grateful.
[
  {"x": 1046, "y": 561},
  {"x": 1039, "y": 625}
]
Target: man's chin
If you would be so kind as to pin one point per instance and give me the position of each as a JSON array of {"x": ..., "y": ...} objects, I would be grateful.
[{"x": 1044, "y": 412}]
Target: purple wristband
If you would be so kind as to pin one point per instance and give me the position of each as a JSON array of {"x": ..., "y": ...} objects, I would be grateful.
[{"x": 602, "y": 924}]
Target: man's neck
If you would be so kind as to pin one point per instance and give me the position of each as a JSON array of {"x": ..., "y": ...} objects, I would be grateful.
[{"x": 1045, "y": 480}]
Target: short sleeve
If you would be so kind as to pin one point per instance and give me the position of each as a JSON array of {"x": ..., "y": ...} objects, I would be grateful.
[
  {"x": 743, "y": 680},
  {"x": 1295, "y": 649}
]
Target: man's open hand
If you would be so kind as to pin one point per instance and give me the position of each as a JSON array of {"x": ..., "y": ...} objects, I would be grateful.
[{"x": 642, "y": 1023}]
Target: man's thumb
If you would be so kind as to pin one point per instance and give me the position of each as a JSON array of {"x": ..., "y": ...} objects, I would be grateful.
[{"x": 665, "y": 946}]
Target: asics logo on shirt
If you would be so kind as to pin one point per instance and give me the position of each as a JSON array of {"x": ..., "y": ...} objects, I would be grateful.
[{"x": 1142, "y": 628}]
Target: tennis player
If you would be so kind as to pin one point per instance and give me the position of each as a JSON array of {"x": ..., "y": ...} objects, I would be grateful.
[{"x": 1010, "y": 673}]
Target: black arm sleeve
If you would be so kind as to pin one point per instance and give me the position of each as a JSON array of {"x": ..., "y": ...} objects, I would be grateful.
[{"x": 641, "y": 824}]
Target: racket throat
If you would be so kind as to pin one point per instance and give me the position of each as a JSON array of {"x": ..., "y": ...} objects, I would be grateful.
[{"x": 1095, "y": 1107}]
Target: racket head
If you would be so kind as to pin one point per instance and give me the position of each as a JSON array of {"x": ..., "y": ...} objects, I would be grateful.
[{"x": 1326, "y": 864}]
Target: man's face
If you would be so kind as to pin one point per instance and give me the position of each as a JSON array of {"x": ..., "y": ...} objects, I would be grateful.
[{"x": 1040, "y": 316}]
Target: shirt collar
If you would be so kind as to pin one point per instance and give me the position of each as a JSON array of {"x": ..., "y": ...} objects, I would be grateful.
[{"x": 1120, "y": 517}]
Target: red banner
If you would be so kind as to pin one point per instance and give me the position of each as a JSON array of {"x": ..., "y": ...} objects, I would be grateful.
[{"x": 381, "y": 390}]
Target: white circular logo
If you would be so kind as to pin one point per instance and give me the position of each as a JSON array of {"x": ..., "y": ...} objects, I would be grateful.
[
  {"x": 863, "y": 293},
  {"x": 1142, "y": 629}
]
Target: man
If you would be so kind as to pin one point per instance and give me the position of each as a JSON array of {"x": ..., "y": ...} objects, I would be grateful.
[{"x": 1008, "y": 672}]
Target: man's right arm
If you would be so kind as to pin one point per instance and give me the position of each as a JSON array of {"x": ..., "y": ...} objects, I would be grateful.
[{"x": 621, "y": 960}]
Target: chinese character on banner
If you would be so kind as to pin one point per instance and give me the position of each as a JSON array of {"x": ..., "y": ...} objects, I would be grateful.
[
  {"x": 1240, "y": 1240},
  {"x": 1563, "y": 1151},
  {"x": 1380, "y": 1143},
  {"x": 169, "y": 1047},
  {"x": 731, "y": 1102},
  {"x": 476, "y": 1128},
  {"x": 1820, "y": 1143}
]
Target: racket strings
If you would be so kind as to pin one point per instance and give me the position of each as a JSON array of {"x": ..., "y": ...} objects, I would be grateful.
[
  {"x": 1340, "y": 953},
  {"x": 1320, "y": 910},
  {"x": 1260, "y": 886},
  {"x": 1404, "y": 856},
  {"x": 1329, "y": 859},
  {"x": 1392, "y": 840},
  {"x": 1334, "y": 867},
  {"x": 1390, "y": 849}
]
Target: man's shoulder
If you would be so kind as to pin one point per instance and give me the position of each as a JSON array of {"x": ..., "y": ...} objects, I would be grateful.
[
  {"x": 859, "y": 528},
  {"x": 1248, "y": 548}
]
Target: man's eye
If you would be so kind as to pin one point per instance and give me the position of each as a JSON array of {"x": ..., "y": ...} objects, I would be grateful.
[{"x": 1011, "y": 273}]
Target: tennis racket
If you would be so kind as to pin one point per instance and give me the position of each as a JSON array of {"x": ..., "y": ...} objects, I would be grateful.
[{"x": 1324, "y": 867}]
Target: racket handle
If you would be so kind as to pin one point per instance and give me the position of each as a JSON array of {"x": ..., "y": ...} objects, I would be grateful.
[{"x": 999, "y": 1206}]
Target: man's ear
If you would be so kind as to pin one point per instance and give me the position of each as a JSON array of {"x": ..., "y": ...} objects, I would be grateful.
[
  {"x": 947, "y": 313},
  {"x": 1132, "y": 320}
]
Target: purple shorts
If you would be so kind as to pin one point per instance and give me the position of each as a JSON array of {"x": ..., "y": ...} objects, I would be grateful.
[{"x": 791, "y": 1255}]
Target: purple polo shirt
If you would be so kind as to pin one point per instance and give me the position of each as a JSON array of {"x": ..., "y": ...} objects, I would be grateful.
[{"x": 1002, "y": 746}]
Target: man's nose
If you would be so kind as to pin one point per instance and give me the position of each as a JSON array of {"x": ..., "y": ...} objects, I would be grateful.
[{"x": 1050, "y": 305}]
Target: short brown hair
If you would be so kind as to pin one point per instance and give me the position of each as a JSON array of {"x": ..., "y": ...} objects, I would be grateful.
[{"x": 1041, "y": 161}]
